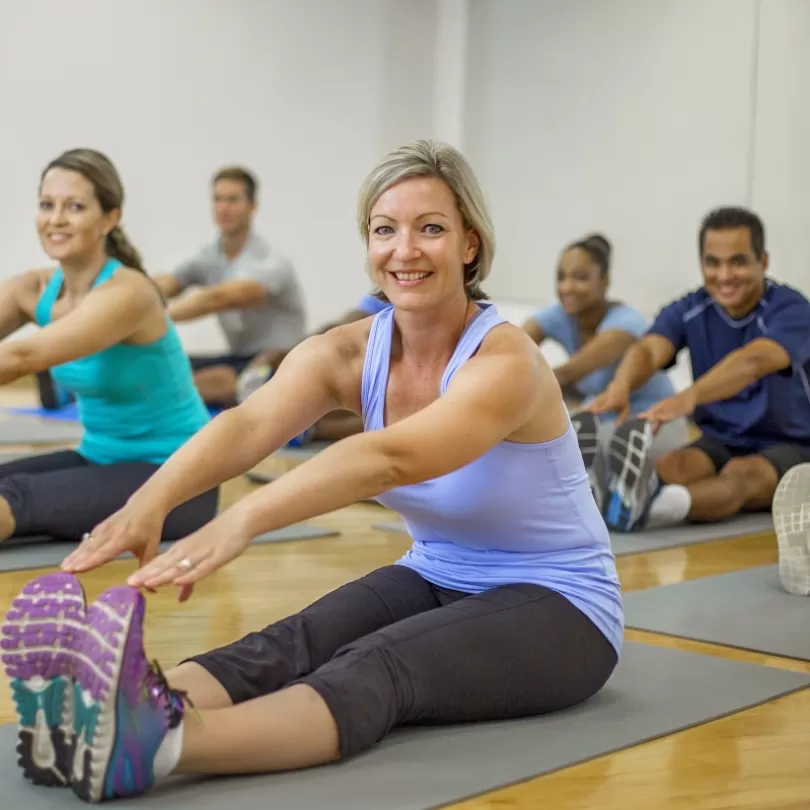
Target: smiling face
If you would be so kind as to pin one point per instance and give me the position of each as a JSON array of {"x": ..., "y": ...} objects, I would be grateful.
[
  {"x": 70, "y": 222},
  {"x": 732, "y": 272},
  {"x": 418, "y": 245},
  {"x": 581, "y": 285}
]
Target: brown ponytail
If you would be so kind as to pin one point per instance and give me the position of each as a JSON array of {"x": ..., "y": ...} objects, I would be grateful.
[{"x": 119, "y": 247}]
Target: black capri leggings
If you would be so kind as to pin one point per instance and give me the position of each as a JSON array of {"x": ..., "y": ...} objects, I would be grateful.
[
  {"x": 391, "y": 649},
  {"x": 63, "y": 495}
]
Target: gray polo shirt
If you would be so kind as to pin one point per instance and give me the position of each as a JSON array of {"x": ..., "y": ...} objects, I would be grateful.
[{"x": 279, "y": 323}]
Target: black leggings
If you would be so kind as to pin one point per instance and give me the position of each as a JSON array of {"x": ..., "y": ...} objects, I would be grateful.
[
  {"x": 63, "y": 495},
  {"x": 391, "y": 649}
]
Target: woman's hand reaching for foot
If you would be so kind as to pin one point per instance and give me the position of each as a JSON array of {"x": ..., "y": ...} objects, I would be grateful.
[
  {"x": 195, "y": 557},
  {"x": 135, "y": 528}
]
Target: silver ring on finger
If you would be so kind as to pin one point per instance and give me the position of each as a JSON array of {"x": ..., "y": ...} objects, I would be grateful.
[
  {"x": 87, "y": 537},
  {"x": 185, "y": 564}
]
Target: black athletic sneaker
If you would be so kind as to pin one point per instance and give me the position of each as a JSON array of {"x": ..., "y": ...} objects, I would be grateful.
[
  {"x": 632, "y": 481},
  {"x": 586, "y": 426}
]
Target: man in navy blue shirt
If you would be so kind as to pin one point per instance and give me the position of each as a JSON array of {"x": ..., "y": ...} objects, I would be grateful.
[{"x": 749, "y": 341}]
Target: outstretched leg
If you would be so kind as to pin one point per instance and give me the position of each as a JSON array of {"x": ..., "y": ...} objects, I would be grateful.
[
  {"x": 134, "y": 720},
  {"x": 468, "y": 660}
]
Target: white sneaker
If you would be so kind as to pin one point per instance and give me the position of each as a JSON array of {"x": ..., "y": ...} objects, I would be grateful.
[{"x": 791, "y": 522}]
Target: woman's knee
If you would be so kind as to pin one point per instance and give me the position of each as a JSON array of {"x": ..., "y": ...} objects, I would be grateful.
[{"x": 367, "y": 692}]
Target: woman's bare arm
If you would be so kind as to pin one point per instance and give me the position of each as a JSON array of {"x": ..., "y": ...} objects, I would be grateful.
[
  {"x": 17, "y": 298},
  {"x": 489, "y": 398},
  {"x": 305, "y": 388},
  {"x": 109, "y": 314},
  {"x": 603, "y": 350}
]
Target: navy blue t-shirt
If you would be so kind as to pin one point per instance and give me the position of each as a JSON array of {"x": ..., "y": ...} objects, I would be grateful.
[{"x": 776, "y": 408}]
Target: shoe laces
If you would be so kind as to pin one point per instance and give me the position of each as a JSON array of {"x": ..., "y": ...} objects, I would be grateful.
[{"x": 157, "y": 689}]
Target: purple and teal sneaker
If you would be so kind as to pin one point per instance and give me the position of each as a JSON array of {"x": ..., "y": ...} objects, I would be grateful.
[
  {"x": 44, "y": 628},
  {"x": 126, "y": 706}
]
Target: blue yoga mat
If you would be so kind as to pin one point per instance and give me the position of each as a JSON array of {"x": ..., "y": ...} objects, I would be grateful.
[{"x": 67, "y": 413}]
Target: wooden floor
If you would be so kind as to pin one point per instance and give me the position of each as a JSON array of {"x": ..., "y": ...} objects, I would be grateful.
[{"x": 757, "y": 759}]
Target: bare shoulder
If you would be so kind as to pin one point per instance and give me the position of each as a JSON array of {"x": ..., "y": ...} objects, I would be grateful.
[
  {"x": 135, "y": 284},
  {"x": 27, "y": 287},
  {"x": 511, "y": 343},
  {"x": 339, "y": 354},
  {"x": 348, "y": 342}
]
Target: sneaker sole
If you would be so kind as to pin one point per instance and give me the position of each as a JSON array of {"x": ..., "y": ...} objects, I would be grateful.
[
  {"x": 630, "y": 486},
  {"x": 791, "y": 521},
  {"x": 114, "y": 623},
  {"x": 43, "y": 630},
  {"x": 586, "y": 426}
]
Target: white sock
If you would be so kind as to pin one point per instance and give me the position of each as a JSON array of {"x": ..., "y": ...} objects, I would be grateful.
[
  {"x": 669, "y": 507},
  {"x": 168, "y": 754}
]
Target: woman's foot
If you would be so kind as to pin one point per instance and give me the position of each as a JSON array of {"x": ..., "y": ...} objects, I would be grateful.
[
  {"x": 128, "y": 711},
  {"x": 44, "y": 628}
]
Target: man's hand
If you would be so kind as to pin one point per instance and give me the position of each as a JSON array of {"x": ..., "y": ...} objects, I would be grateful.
[{"x": 681, "y": 405}]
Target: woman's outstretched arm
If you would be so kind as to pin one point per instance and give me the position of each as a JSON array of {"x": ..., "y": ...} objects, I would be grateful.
[{"x": 490, "y": 397}]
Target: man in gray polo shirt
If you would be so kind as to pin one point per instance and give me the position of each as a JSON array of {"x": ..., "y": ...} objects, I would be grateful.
[{"x": 251, "y": 287}]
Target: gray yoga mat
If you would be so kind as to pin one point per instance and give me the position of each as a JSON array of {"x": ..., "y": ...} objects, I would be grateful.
[
  {"x": 265, "y": 478},
  {"x": 746, "y": 609},
  {"x": 671, "y": 537},
  {"x": 303, "y": 453},
  {"x": 654, "y": 692},
  {"x": 30, "y": 431},
  {"x": 40, "y": 551}
]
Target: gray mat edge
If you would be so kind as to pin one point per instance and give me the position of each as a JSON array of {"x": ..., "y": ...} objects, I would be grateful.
[
  {"x": 724, "y": 644},
  {"x": 778, "y": 695},
  {"x": 399, "y": 528},
  {"x": 265, "y": 478}
]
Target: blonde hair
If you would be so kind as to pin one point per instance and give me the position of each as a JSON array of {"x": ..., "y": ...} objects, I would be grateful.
[{"x": 429, "y": 158}]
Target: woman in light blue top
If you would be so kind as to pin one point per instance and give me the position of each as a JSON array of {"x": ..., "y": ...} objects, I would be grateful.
[
  {"x": 507, "y": 604},
  {"x": 106, "y": 339},
  {"x": 595, "y": 332}
]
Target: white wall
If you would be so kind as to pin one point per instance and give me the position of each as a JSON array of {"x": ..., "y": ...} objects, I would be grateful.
[
  {"x": 308, "y": 94},
  {"x": 629, "y": 117},
  {"x": 781, "y": 144}
]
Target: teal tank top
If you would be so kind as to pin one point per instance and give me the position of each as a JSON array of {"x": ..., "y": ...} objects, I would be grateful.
[
  {"x": 135, "y": 403},
  {"x": 519, "y": 513}
]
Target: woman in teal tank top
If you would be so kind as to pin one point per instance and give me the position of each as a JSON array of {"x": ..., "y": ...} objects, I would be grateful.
[
  {"x": 106, "y": 338},
  {"x": 508, "y": 603}
]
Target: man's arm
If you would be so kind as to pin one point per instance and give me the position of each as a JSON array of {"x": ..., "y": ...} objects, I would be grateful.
[
  {"x": 241, "y": 294},
  {"x": 168, "y": 285},
  {"x": 739, "y": 369}
]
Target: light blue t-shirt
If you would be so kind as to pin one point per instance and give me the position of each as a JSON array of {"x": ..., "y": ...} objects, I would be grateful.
[
  {"x": 371, "y": 305},
  {"x": 559, "y": 326}
]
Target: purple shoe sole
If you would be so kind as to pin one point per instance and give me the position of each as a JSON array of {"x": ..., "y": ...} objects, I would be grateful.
[
  {"x": 42, "y": 632},
  {"x": 115, "y": 631}
]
